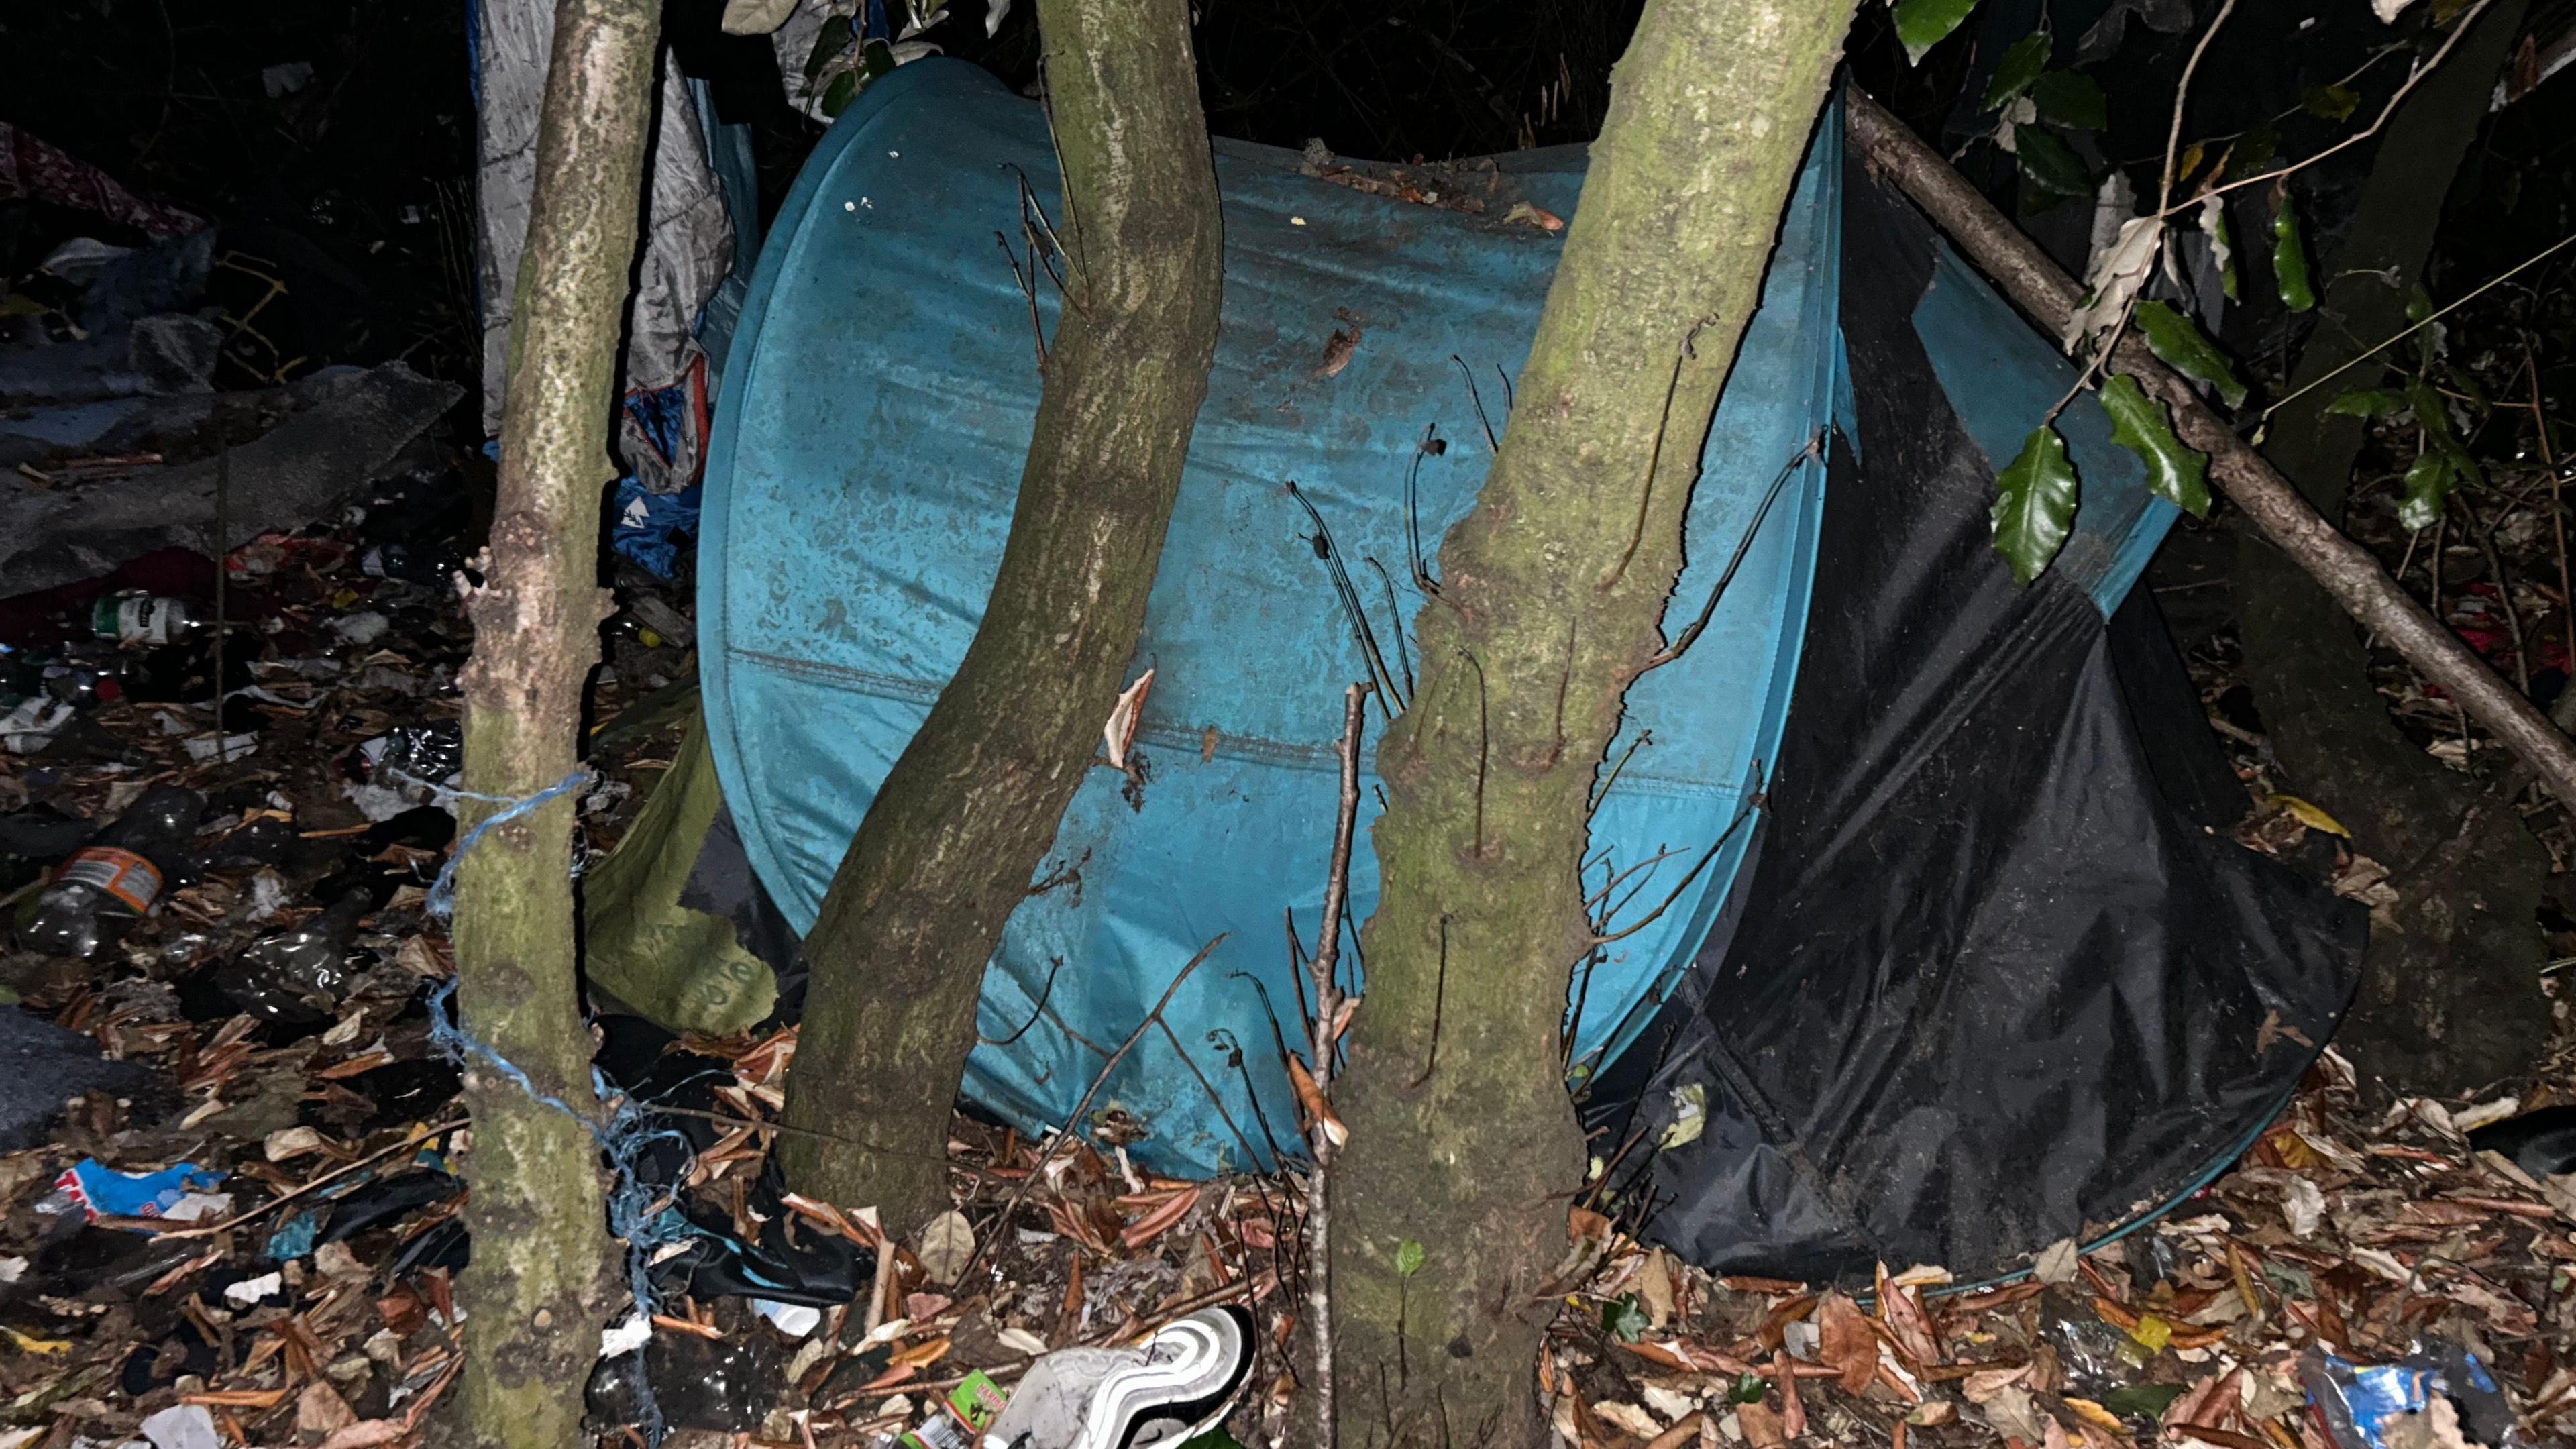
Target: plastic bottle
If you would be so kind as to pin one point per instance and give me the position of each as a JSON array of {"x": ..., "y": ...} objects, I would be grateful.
[
  {"x": 142, "y": 620},
  {"x": 298, "y": 976},
  {"x": 103, "y": 888}
]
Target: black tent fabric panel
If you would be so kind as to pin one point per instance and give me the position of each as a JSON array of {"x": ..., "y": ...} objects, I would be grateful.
[{"x": 1988, "y": 985}]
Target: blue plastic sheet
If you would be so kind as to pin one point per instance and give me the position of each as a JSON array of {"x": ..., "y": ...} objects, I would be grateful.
[{"x": 877, "y": 406}]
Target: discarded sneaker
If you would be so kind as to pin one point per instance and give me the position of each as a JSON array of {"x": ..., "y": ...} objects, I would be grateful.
[{"x": 1173, "y": 1388}]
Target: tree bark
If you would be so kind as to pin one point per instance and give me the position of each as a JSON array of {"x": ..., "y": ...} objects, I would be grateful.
[
  {"x": 1553, "y": 591},
  {"x": 963, "y": 820},
  {"x": 541, "y": 1284},
  {"x": 2450, "y": 997}
]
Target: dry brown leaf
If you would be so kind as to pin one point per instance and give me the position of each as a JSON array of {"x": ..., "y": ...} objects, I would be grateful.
[
  {"x": 1120, "y": 732},
  {"x": 366, "y": 1434},
  {"x": 1762, "y": 1428},
  {"x": 1846, "y": 1342},
  {"x": 321, "y": 1410},
  {"x": 1161, "y": 1220},
  {"x": 1310, "y": 1100},
  {"x": 1793, "y": 1414},
  {"x": 1907, "y": 1324},
  {"x": 1654, "y": 1287},
  {"x": 946, "y": 1245}
]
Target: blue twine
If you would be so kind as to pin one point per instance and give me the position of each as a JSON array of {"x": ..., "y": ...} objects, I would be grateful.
[
  {"x": 645, "y": 1220},
  {"x": 642, "y": 1218},
  {"x": 442, "y": 892}
]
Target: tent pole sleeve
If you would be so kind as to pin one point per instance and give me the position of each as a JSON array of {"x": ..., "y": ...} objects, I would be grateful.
[{"x": 2347, "y": 570}]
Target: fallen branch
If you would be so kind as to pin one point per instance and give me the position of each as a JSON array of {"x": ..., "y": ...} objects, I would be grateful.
[{"x": 2343, "y": 567}]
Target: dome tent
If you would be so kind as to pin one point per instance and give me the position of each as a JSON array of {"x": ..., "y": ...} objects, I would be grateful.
[{"x": 1868, "y": 664}]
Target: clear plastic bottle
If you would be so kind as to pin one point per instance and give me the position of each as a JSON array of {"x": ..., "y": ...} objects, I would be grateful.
[
  {"x": 143, "y": 620},
  {"x": 103, "y": 888},
  {"x": 298, "y": 976}
]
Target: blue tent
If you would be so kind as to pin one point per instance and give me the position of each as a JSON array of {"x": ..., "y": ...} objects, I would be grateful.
[{"x": 876, "y": 406}]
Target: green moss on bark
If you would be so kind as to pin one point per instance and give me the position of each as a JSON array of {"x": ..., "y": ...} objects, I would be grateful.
[
  {"x": 1552, "y": 596},
  {"x": 964, "y": 818},
  {"x": 539, "y": 1286}
]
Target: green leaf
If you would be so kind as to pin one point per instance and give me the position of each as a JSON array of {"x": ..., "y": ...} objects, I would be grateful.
[
  {"x": 1923, "y": 24},
  {"x": 2175, "y": 473},
  {"x": 1624, "y": 1320},
  {"x": 2141, "y": 1401},
  {"x": 2071, "y": 100},
  {"x": 2290, "y": 258},
  {"x": 1748, "y": 1389},
  {"x": 2435, "y": 419},
  {"x": 2428, "y": 486},
  {"x": 2034, "y": 504},
  {"x": 2331, "y": 103},
  {"x": 1218, "y": 1438},
  {"x": 2367, "y": 402},
  {"x": 877, "y": 59},
  {"x": 829, "y": 42},
  {"x": 2051, "y": 165},
  {"x": 2013, "y": 74},
  {"x": 836, "y": 97},
  {"x": 2185, "y": 348},
  {"x": 1408, "y": 1258}
]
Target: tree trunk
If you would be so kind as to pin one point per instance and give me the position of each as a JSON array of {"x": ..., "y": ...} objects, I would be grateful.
[
  {"x": 958, "y": 830},
  {"x": 2450, "y": 998},
  {"x": 540, "y": 1284},
  {"x": 1553, "y": 590}
]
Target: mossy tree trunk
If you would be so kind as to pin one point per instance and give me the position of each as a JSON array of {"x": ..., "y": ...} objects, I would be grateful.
[
  {"x": 1552, "y": 596},
  {"x": 966, "y": 815},
  {"x": 540, "y": 1284}
]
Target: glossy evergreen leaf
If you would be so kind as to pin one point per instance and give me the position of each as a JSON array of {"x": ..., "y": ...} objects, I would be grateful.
[
  {"x": 2367, "y": 402},
  {"x": 2034, "y": 504},
  {"x": 829, "y": 42},
  {"x": 2428, "y": 487},
  {"x": 2175, "y": 473},
  {"x": 2290, "y": 258},
  {"x": 2186, "y": 349},
  {"x": 2071, "y": 100},
  {"x": 1923, "y": 24},
  {"x": 2050, "y": 165},
  {"x": 2013, "y": 74},
  {"x": 836, "y": 97}
]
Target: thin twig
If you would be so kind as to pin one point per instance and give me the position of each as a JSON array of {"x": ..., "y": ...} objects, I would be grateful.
[
  {"x": 1028, "y": 286},
  {"x": 2459, "y": 27},
  {"x": 1073, "y": 1120},
  {"x": 2182, "y": 92},
  {"x": 1439, "y": 995},
  {"x": 2557, "y": 514},
  {"x": 1815, "y": 448},
  {"x": 1743, "y": 813},
  {"x": 1036, "y": 1012},
  {"x": 1328, "y": 1002},
  {"x": 1492, "y": 444}
]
